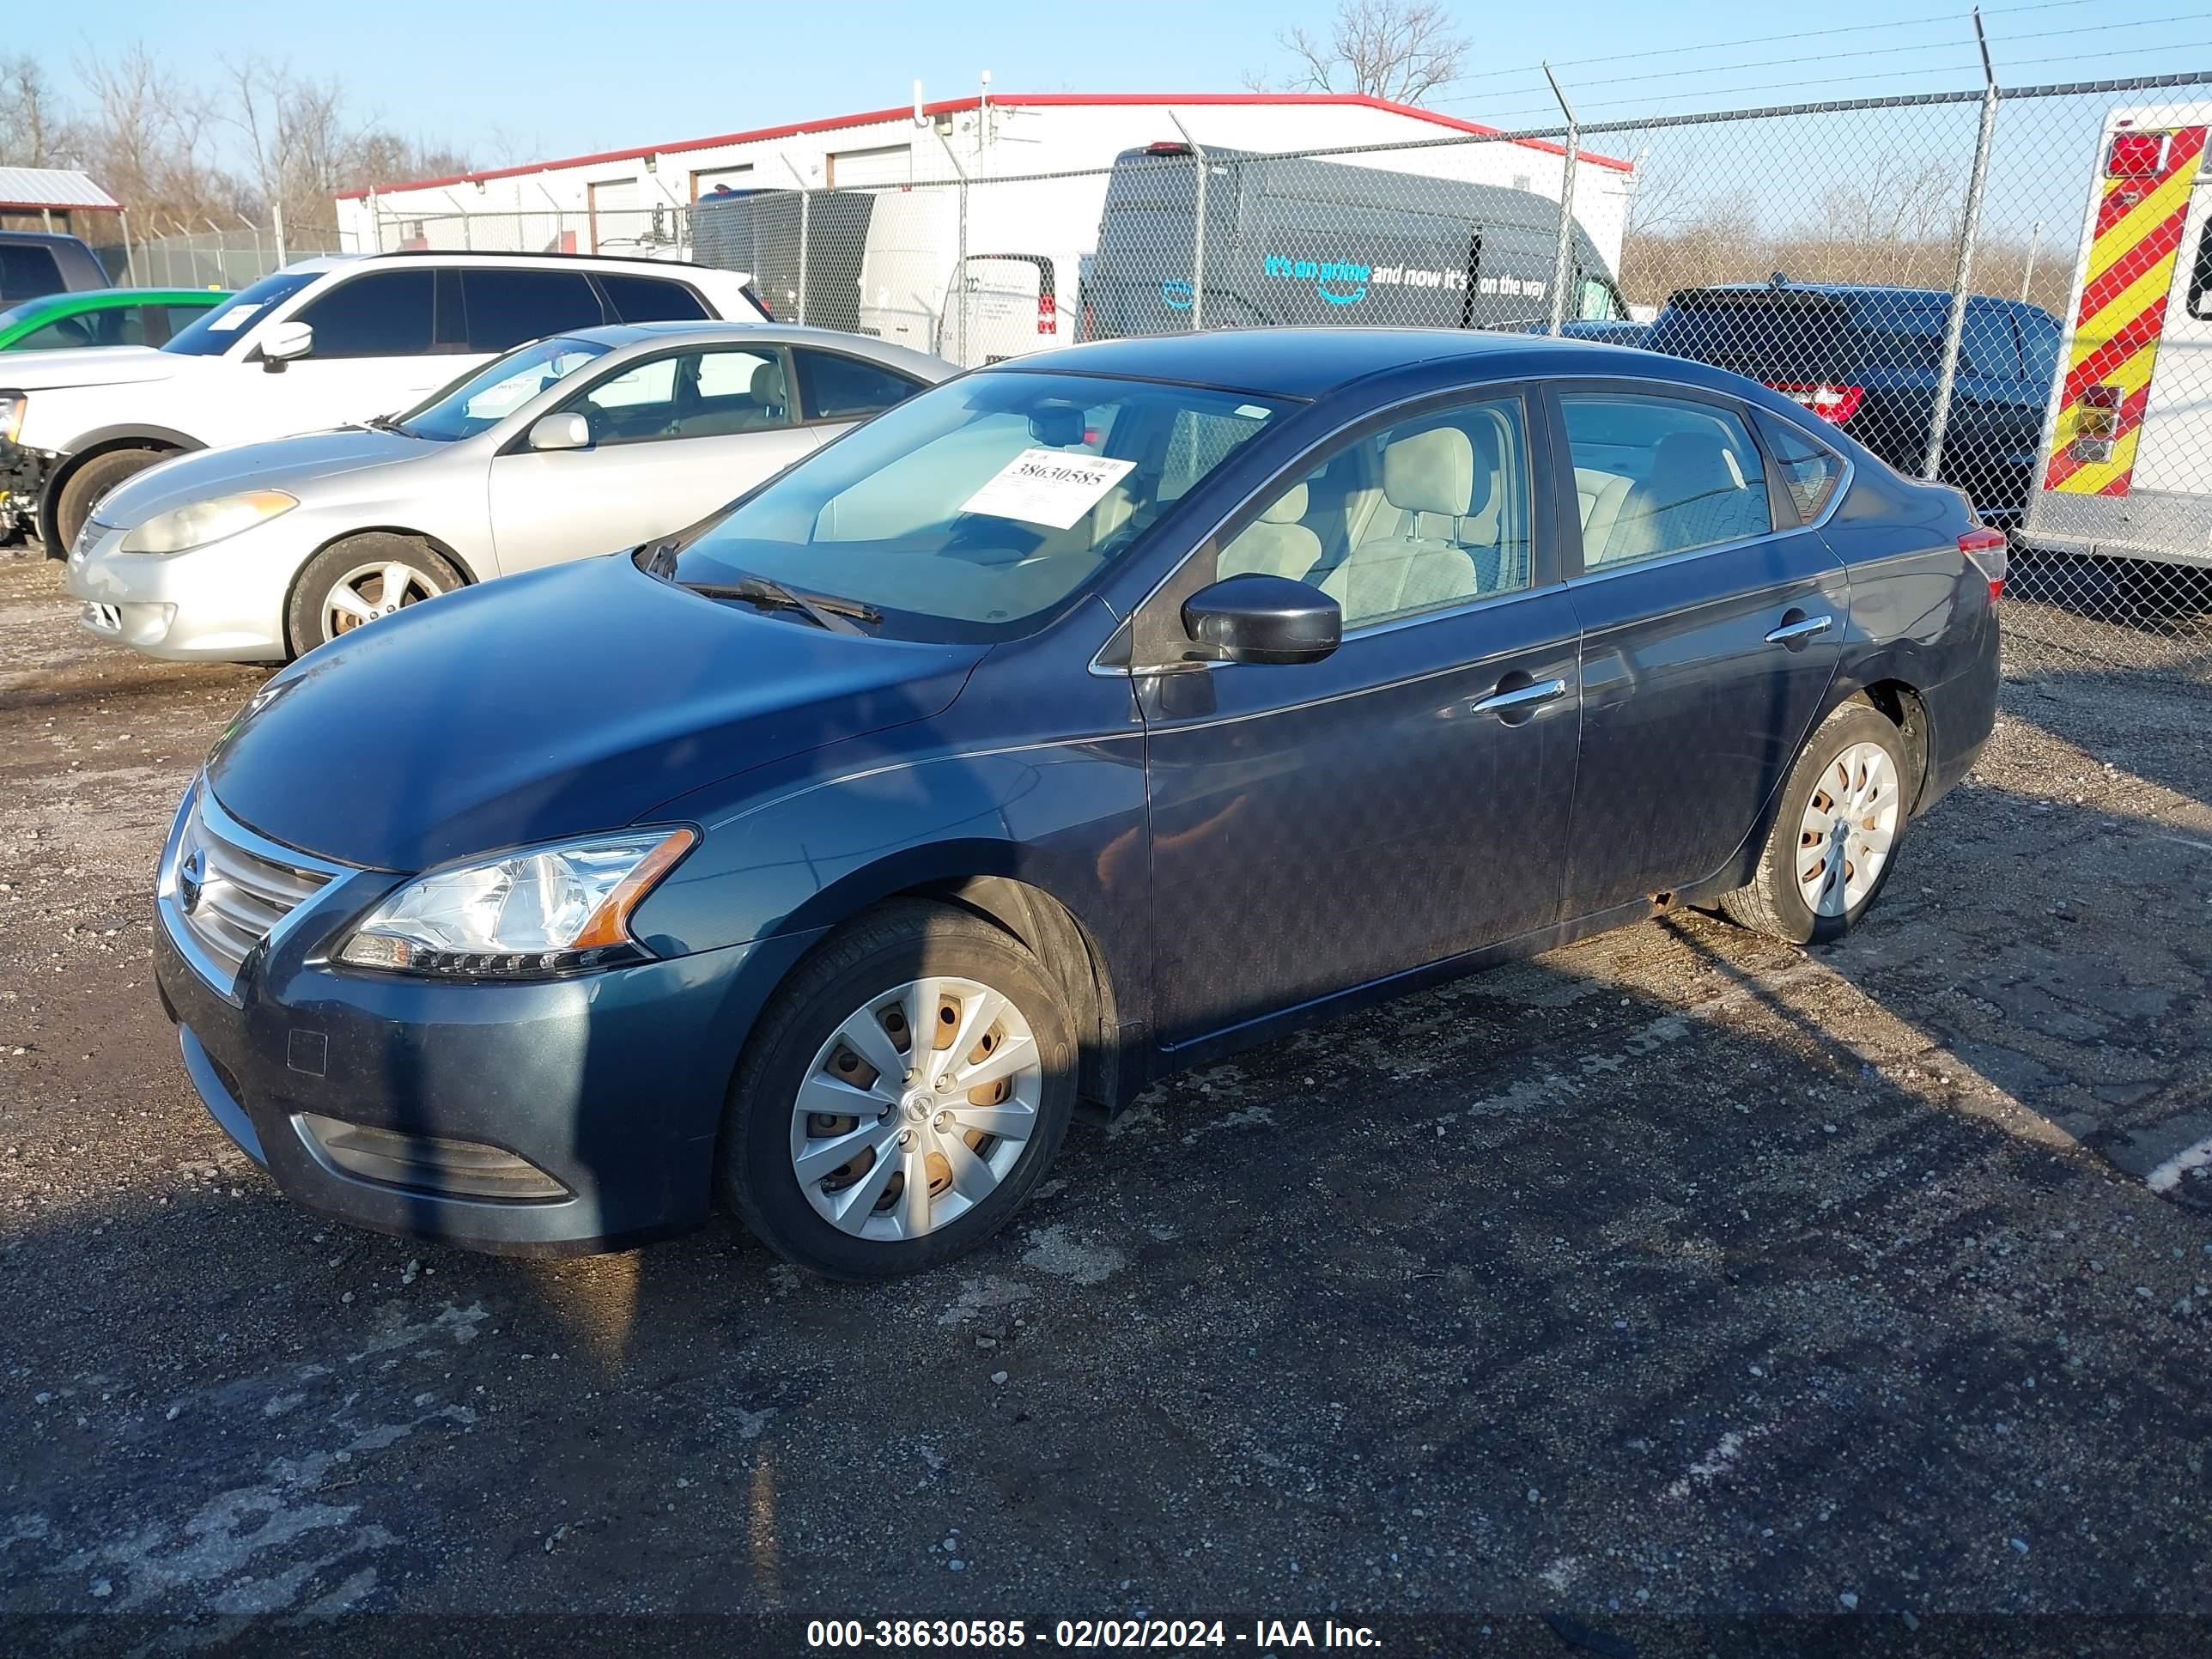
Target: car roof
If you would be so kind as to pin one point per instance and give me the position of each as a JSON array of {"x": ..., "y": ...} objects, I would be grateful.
[
  {"x": 492, "y": 257},
  {"x": 621, "y": 336},
  {"x": 1307, "y": 362}
]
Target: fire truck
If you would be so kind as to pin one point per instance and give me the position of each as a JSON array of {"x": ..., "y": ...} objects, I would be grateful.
[{"x": 2125, "y": 467}]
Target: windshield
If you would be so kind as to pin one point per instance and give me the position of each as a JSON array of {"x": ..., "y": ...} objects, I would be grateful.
[
  {"x": 980, "y": 502},
  {"x": 484, "y": 396},
  {"x": 214, "y": 332}
]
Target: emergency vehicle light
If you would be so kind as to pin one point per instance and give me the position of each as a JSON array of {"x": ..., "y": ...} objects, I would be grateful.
[{"x": 2135, "y": 156}]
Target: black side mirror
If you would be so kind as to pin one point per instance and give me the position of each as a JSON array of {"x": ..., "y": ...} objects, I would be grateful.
[{"x": 1256, "y": 619}]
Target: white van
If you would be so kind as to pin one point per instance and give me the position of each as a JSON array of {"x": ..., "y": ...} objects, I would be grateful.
[
  {"x": 2125, "y": 467},
  {"x": 1028, "y": 251}
]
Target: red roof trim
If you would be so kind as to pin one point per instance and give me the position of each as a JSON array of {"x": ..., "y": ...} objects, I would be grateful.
[{"x": 961, "y": 105}]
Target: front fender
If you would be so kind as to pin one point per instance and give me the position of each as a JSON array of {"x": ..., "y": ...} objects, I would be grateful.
[{"x": 1064, "y": 817}]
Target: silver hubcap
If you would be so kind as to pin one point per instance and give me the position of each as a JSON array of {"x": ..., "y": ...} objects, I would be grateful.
[
  {"x": 373, "y": 590},
  {"x": 915, "y": 1108},
  {"x": 1849, "y": 828}
]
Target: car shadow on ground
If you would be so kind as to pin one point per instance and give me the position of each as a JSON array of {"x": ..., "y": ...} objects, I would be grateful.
[{"x": 1674, "y": 1273}]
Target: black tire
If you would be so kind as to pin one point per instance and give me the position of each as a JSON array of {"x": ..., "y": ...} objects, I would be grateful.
[
  {"x": 91, "y": 481},
  {"x": 304, "y": 618},
  {"x": 1773, "y": 903},
  {"x": 871, "y": 957}
]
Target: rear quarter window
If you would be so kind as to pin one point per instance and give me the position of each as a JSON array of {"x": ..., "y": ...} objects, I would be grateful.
[
  {"x": 651, "y": 300},
  {"x": 1811, "y": 472}
]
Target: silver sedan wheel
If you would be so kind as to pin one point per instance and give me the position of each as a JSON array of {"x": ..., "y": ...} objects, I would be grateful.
[
  {"x": 915, "y": 1108},
  {"x": 370, "y": 590},
  {"x": 1850, "y": 829}
]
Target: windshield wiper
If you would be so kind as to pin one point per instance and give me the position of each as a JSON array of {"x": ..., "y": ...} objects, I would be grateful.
[
  {"x": 387, "y": 423},
  {"x": 818, "y": 608}
]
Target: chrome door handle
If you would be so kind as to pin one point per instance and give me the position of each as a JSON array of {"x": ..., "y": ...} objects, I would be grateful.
[
  {"x": 1522, "y": 696},
  {"x": 1804, "y": 628}
]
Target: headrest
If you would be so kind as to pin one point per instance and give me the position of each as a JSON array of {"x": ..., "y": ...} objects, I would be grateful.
[
  {"x": 1694, "y": 464},
  {"x": 1434, "y": 471},
  {"x": 768, "y": 383},
  {"x": 1286, "y": 508}
]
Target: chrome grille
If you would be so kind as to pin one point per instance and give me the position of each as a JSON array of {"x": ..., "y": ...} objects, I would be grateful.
[{"x": 228, "y": 897}]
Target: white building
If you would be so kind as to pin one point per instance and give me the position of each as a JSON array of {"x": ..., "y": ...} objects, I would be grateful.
[
  {"x": 996, "y": 135},
  {"x": 882, "y": 254}
]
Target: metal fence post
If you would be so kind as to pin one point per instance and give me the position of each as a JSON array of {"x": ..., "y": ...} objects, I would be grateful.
[
  {"x": 1563, "y": 262},
  {"x": 960, "y": 271},
  {"x": 1954, "y": 327},
  {"x": 276, "y": 229},
  {"x": 805, "y": 219},
  {"x": 1198, "y": 250}
]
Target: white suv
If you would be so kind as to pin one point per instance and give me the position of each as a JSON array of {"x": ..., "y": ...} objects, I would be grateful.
[{"x": 320, "y": 343}]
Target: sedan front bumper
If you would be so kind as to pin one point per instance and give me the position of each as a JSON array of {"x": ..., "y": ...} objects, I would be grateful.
[
  {"x": 221, "y": 603},
  {"x": 556, "y": 1117}
]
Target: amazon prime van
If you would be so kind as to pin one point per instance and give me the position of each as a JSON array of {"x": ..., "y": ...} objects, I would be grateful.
[{"x": 1289, "y": 239}]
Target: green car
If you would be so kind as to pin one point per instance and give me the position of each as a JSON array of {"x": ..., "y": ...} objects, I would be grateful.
[{"x": 103, "y": 317}]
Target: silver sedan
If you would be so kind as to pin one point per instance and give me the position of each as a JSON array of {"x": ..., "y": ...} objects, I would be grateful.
[{"x": 577, "y": 444}]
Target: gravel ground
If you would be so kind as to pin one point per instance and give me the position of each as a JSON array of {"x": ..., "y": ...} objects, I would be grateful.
[{"x": 1675, "y": 1272}]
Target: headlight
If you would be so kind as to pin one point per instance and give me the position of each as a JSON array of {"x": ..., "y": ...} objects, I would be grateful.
[
  {"x": 196, "y": 525},
  {"x": 12, "y": 405},
  {"x": 531, "y": 915}
]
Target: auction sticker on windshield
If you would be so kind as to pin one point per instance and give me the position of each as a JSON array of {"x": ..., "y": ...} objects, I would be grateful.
[{"x": 1047, "y": 486}]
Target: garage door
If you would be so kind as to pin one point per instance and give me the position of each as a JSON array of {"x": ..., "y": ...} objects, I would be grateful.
[
  {"x": 617, "y": 217},
  {"x": 892, "y": 164},
  {"x": 705, "y": 180}
]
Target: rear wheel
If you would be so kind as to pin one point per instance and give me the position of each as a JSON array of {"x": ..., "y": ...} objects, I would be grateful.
[
  {"x": 1844, "y": 808},
  {"x": 360, "y": 580},
  {"x": 89, "y": 484},
  {"x": 903, "y": 1094}
]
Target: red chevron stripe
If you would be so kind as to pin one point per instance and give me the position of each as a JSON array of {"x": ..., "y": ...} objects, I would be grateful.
[
  {"x": 2143, "y": 330},
  {"x": 2119, "y": 485},
  {"x": 2158, "y": 244}
]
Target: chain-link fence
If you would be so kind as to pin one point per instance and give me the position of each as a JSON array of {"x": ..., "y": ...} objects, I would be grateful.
[
  {"x": 2008, "y": 289},
  {"x": 222, "y": 259}
]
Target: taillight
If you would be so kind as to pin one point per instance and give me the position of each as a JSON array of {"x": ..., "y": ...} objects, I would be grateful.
[
  {"x": 1836, "y": 404},
  {"x": 1985, "y": 550},
  {"x": 2135, "y": 156},
  {"x": 2097, "y": 422},
  {"x": 1048, "y": 314}
]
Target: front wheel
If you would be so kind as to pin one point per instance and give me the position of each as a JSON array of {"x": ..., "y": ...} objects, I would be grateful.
[
  {"x": 359, "y": 580},
  {"x": 1834, "y": 841},
  {"x": 903, "y": 1094}
]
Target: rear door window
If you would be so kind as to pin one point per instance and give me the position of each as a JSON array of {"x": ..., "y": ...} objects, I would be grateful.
[
  {"x": 386, "y": 313},
  {"x": 1659, "y": 476},
  {"x": 506, "y": 307},
  {"x": 839, "y": 388},
  {"x": 650, "y": 299}
]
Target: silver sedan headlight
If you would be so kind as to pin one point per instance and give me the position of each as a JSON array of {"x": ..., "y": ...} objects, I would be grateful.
[
  {"x": 12, "y": 406},
  {"x": 535, "y": 914},
  {"x": 195, "y": 525}
]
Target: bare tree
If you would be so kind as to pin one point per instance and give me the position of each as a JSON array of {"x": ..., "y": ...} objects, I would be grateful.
[
  {"x": 1401, "y": 50},
  {"x": 32, "y": 132},
  {"x": 149, "y": 141}
]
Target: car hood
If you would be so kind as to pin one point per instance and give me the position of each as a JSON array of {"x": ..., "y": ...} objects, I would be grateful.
[
  {"x": 557, "y": 704},
  {"x": 292, "y": 464},
  {"x": 48, "y": 371}
]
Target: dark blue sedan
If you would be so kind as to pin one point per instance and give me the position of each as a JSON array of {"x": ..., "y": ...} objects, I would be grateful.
[{"x": 1075, "y": 721}]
